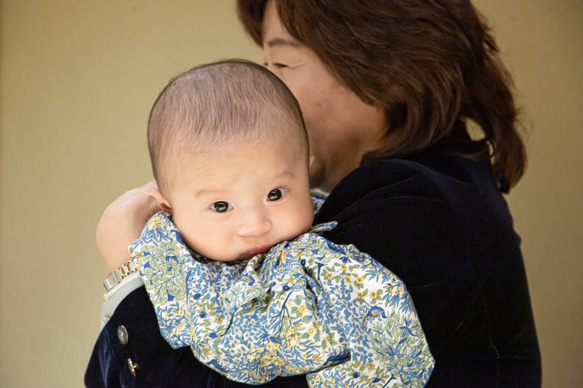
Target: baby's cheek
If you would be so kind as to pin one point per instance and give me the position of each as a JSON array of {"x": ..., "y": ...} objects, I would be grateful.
[
  {"x": 199, "y": 238},
  {"x": 192, "y": 240},
  {"x": 305, "y": 217}
]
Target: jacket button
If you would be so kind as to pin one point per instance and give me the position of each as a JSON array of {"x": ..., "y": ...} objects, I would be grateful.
[
  {"x": 122, "y": 335},
  {"x": 133, "y": 366}
]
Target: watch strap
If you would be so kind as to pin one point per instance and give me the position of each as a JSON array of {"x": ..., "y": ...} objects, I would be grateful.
[{"x": 118, "y": 275}]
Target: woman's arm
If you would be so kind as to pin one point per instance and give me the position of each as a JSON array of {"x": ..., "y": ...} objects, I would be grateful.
[{"x": 120, "y": 225}]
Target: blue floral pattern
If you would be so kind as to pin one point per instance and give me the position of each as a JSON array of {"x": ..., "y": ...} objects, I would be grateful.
[{"x": 306, "y": 306}]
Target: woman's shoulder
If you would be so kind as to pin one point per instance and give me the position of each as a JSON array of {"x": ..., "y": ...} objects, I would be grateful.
[
  {"x": 445, "y": 175},
  {"x": 449, "y": 164}
]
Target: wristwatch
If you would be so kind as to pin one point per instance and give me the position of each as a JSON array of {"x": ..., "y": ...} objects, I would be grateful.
[{"x": 118, "y": 275}]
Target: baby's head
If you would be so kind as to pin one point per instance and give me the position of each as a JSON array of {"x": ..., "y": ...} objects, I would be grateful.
[{"x": 230, "y": 155}]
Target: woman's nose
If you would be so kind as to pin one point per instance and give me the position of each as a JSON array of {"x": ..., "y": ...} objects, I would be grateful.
[{"x": 254, "y": 223}]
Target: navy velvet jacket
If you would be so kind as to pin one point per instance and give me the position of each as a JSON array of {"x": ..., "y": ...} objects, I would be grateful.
[{"x": 439, "y": 222}]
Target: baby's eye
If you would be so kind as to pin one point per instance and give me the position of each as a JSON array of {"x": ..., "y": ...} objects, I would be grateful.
[
  {"x": 221, "y": 206},
  {"x": 275, "y": 194}
]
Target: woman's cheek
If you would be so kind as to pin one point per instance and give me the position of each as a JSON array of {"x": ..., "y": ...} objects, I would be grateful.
[{"x": 316, "y": 173}]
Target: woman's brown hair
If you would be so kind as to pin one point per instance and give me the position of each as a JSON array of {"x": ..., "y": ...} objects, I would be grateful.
[{"x": 428, "y": 63}]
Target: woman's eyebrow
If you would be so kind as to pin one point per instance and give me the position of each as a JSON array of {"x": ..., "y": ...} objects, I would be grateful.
[{"x": 282, "y": 42}]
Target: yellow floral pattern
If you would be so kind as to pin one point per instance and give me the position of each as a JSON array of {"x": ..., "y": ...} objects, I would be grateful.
[{"x": 306, "y": 307}]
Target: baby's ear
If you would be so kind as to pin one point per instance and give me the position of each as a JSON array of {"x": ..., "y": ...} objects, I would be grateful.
[{"x": 160, "y": 200}]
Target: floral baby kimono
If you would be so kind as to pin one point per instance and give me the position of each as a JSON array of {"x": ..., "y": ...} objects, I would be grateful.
[{"x": 307, "y": 306}]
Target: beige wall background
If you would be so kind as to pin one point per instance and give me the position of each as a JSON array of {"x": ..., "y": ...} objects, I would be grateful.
[{"x": 77, "y": 79}]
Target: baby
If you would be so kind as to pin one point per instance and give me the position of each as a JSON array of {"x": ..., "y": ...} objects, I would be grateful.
[{"x": 233, "y": 267}]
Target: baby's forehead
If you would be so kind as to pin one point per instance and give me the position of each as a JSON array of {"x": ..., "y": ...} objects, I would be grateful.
[
  {"x": 276, "y": 133},
  {"x": 231, "y": 178},
  {"x": 200, "y": 151},
  {"x": 270, "y": 147}
]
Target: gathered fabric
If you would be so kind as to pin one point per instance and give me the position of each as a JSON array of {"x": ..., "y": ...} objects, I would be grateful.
[{"x": 306, "y": 306}]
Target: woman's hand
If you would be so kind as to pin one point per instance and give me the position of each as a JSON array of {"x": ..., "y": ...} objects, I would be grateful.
[{"x": 121, "y": 224}]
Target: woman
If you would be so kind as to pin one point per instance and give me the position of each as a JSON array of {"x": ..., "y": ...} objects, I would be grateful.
[{"x": 386, "y": 89}]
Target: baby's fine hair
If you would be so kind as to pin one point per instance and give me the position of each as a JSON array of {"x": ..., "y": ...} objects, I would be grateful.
[{"x": 218, "y": 103}]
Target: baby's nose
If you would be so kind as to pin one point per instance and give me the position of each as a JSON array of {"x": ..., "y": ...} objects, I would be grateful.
[{"x": 254, "y": 223}]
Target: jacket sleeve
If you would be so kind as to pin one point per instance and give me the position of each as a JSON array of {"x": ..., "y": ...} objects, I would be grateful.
[{"x": 130, "y": 352}]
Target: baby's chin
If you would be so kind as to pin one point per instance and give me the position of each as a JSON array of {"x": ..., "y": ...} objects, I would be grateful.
[
  {"x": 243, "y": 256},
  {"x": 254, "y": 252}
]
